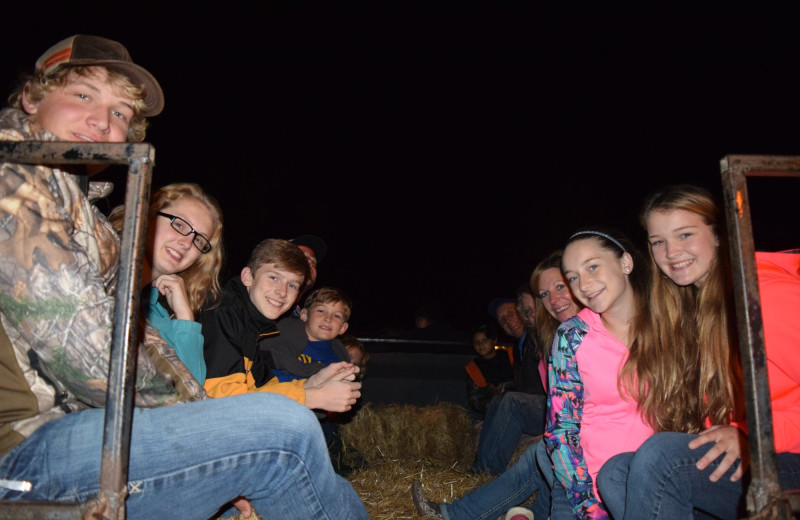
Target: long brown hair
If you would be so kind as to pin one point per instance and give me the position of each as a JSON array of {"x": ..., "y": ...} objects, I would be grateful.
[
  {"x": 690, "y": 373},
  {"x": 202, "y": 277}
]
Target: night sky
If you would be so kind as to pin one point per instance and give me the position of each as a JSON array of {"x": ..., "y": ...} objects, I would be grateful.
[{"x": 442, "y": 149}]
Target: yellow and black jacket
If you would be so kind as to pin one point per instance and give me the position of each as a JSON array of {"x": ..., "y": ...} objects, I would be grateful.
[{"x": 235, "y": 364}]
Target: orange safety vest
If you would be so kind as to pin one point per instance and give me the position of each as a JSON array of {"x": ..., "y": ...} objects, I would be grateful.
[{"x": 475, "y": 373}]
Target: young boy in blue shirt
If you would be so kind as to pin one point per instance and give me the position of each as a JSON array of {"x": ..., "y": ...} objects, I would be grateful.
[{"x": 308, "y": 344}]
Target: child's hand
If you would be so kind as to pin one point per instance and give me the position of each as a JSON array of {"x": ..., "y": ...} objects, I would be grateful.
[
  {"x": 728, "y": 441},
  {"x": 172, "y": 286},
  {"x": 337, "y": 393},
  {"x": 244, "y": 507},
  {"x": 330, "y": 371}
]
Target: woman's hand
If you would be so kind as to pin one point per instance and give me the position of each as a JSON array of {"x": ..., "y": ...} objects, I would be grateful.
[
  {"x": 728, "y": 440},
  {"x": 173, "y": 288}
]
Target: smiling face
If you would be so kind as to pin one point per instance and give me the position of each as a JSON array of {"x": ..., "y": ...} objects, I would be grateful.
[
  {"x": 86, "y": 108},
  {"x": 325, "y": 321},
  {"x": 510, "y": 320},
  {"x": 171, "y": 252},
  {"x": 597, "y": 276},
  {"x": 272, "y": 290},
  {"x": 684, "y": 246},
  {"x": 555, "y": 294}
]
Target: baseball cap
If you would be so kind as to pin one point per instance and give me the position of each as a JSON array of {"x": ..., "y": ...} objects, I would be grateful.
[
  {"x": 82, "y": 49},
  {"x": 314, "y": 243},
  {"x": 497, "y": 302}
]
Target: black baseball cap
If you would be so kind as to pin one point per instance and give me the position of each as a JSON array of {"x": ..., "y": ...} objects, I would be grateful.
[{"x": 314, "y": 243}]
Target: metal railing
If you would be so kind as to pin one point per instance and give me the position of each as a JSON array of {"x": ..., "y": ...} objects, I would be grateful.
[
  {"x": 764, "y": 496},
  {"x": 140, "y": 158}
]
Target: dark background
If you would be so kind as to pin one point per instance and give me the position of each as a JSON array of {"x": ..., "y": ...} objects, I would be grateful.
[{"x": 442, "y": 149}]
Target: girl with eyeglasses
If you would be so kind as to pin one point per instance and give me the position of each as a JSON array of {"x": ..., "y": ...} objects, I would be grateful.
[{"x": 183, "y": 258}]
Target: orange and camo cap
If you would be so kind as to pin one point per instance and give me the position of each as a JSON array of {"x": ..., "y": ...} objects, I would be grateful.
[{"x": 82, "y": 49}]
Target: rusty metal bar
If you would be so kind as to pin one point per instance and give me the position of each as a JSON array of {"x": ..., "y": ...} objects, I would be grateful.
[
  {"x": 140, "y": 158},
  {"x": 764, "y": 495}
]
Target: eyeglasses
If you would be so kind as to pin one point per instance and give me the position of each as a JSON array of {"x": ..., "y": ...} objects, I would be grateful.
[{"x": 183, "y": 227}]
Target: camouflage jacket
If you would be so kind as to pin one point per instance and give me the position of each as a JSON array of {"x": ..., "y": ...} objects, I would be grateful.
[{"x": 58, "y": 269}]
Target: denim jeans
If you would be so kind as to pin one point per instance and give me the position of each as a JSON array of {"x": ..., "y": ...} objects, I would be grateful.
[
  {"x": 660, "y": 480},
  {"x": 507, "y": 418},
  {"x": 511, "y": 488},
  {"x": 194, "y": 458},
  {"x": 560, "y": 508}
]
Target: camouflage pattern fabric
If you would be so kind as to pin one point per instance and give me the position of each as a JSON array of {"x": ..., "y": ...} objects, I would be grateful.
[{"x": 58, "y": 268}]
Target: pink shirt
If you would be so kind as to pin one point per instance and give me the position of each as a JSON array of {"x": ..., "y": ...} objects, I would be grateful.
[{"x": 610, "y": 424}]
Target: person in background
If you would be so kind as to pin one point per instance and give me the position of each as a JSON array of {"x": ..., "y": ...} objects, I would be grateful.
[
  {"x": 491, "y": 373},
  {"x": 314, "y": 249},
  {"x": 524, "y": 478},
  {"x": 430, "y": 324},
  {"x": 517, "y": 412},
  {"x": 357, "y": 352}
]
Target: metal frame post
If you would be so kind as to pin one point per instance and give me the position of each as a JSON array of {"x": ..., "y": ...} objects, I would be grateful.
[
  {"x": 764, "y": 496},
  {"x": 140, "y": 158}
]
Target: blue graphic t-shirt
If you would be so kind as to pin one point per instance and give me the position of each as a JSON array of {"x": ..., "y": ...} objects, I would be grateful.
[{"x": 316, "y": 352}]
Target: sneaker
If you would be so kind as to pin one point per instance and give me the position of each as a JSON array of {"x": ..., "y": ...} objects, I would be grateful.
[
  {"x": 424, "y": 506},
  {"x": 519, "y": 513}
]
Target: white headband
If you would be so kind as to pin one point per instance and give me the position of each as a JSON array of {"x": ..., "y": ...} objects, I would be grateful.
[{"x": 599, "y": 233}]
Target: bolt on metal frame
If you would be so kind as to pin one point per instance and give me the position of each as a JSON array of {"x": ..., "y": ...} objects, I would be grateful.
[
  {"x": 140, "y": 158},
  {"x": 764, "y": 496}
]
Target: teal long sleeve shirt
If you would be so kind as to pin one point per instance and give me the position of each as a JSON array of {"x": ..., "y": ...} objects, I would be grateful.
[{"x": 184, "y": 336}]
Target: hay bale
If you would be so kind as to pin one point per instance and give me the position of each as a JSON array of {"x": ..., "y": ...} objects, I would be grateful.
[
  {"x": 442, "y": 434},
  {"x": 385, "y": 488}
]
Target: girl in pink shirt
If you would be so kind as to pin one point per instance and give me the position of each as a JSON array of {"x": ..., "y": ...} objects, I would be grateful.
[{"x": 589, "y": 420}]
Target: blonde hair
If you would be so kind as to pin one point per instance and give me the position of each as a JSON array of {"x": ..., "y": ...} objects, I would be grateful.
[
  {"x": 690, "y": 373},
  {"x": 34, "y": 87},
  {"x": 202, "y": 277}
]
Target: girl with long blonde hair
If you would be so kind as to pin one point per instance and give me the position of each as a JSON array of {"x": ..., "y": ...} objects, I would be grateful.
[
  {"x": 690, "y": 384},
  {"x": 183, "y": 259}
]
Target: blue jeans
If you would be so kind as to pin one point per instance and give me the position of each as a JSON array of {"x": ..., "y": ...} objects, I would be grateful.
[
  {"x": 194, "y": 458},
  {"x": 507, "y": 418},
  {"x": 561, "y": 509},
  {"x": 660, "y": 480},
  {"x": 513, "y": 487}
]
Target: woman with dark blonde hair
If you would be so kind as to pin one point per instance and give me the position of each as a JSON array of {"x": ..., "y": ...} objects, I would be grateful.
[
  {"x": 183, "y": 259},
  {"x": 689, "y": 386},
  {"x": 557, "y": 302}
]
